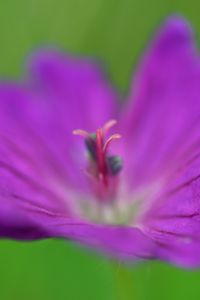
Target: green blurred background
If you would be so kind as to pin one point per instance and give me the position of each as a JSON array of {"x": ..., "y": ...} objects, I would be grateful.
[{"x": 114, "y": 31}]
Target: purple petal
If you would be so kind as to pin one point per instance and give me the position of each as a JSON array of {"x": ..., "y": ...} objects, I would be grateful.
[
  {"x": 173, "y": 221},
  {"x": 123, "y": 243},
  {"x": 25, "y": 155},
  {"x": 175, "y": 242},
  {"x": 78, "y": 97},
  {"x": 15, "y": 224},
  {"x": 163, "y": 142},
  {"x": 23, "y": 218},
  {"x": 40, "y": 159},
  {"x": 77, "y": 88},
  {"x": 162, "y": 118}
]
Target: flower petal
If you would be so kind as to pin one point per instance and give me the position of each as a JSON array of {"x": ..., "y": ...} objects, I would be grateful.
[
  {"x": 28, "y": 221},
  {"x": 15, "y": 224},
  {"x": 163, "y": 116},
  {"x": 163, "y": 143},
  {"x": 78, "y": 96},
  {"x": 29, "y": 169},
  {"x": 173, "y": 218},
  {"x": 40, "y": 161},
  {"x": 76, "y": 87},
  {"x": 176, "y": 241},
  {"x": 123, "y": 243}
]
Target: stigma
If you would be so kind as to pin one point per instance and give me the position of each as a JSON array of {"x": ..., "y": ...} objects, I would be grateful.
[{"x": 102, "y": 166}]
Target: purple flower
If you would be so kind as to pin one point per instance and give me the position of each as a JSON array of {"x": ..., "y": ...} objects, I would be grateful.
[{"x": 65, "y": 171}]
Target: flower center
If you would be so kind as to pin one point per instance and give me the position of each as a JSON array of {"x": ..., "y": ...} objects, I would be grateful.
[{"x": 102, "y": 167}]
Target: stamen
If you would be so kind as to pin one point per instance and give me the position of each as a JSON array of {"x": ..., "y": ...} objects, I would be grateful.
[
  {"x": 101, "y": 166},
  {"x": 108, "y": 125},
  {"x": 115, "y": 136},
  {"x": 81, "y": 132}
]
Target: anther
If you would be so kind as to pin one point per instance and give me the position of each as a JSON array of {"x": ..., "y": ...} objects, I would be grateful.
[
  {"x": 115, "y": 164},
  {"x": 90, "y": 143}
]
